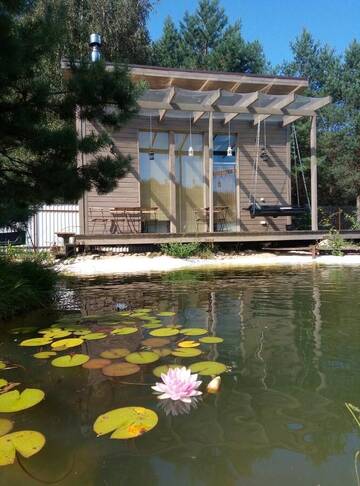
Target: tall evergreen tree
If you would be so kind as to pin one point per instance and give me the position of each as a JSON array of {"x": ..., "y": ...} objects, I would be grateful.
[
  {"x": 38, "y": 140},
  {"x": 206, "y": 40}
]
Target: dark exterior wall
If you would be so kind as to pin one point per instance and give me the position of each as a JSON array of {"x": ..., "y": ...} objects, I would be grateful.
[{"x": 273, "y": 182}]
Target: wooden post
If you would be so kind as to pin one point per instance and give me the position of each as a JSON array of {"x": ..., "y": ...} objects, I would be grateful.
[
  {"x": 313, "y": 165},
  {"x": 211, "y": 173},
  {"x": 237, "y": 182},
  {"x": 172, "y": 176},
  {"x": 358, "y": 209}
]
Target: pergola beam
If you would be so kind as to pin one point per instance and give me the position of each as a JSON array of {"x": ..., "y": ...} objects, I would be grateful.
[
  {"x": 277, "y": 105},
  {"x": 169, "y": 99},
  {"x": 242, "y": 105},
  {"x": 209, "y": 102},
  {"x": 288, "y": 119}
]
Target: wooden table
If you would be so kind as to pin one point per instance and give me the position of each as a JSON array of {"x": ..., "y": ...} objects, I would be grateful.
[{"x": 131, "y": 219}]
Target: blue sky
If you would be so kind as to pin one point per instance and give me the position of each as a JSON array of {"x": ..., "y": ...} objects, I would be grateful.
[{"x": 276, "y": 22}]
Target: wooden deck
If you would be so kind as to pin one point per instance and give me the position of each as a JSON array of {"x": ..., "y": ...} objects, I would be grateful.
[{"x": 126, "y": 239}]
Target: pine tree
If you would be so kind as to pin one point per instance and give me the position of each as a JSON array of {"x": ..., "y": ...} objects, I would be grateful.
[
  {"x": 168, "y": 50},
  {"x": 38, "y": 141},
  {"x": 205, "y": 40}
]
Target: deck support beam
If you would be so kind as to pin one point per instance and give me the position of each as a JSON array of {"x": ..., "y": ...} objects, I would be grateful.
[
  {"x": 313, "y": 171},
  {"x": 211, "y": 173}
]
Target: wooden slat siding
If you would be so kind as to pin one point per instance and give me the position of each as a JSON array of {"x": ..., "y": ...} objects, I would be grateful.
[
  {"x": 273, "y": 177},
  {"x": 127, "y": 192}
]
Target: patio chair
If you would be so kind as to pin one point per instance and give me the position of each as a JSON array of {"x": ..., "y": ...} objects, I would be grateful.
[{"x": 98, "y": 215}]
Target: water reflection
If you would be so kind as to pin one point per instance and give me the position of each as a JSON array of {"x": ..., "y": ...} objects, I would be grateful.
[{"x": 291, "y": 339}]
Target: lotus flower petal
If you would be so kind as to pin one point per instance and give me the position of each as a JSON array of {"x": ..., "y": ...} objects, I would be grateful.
[{"x": 178, "y": 384}]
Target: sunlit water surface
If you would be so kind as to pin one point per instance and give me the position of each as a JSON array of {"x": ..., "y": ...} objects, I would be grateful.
[{"x": 291, "y": 338}]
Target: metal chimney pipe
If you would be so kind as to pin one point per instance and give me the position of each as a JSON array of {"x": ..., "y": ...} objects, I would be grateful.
[{"x": 95, "y": 44}]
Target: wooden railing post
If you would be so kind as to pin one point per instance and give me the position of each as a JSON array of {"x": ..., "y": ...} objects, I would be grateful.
[
  {"x": 313, "y": 169},
  {"x": 211, "y": 173}
]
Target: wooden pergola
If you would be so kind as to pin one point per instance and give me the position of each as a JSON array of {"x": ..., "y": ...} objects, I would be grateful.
[{"x": 225, "y": 105}]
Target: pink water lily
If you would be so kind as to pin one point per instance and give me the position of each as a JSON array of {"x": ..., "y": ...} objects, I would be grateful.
[{"x": 178, "y": 384}]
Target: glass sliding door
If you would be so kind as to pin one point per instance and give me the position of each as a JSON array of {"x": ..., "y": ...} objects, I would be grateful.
[
  {"x": 155, "y": 180},
  {"x": 224, "y": 183},
  {"x": 189, "y": 183}
]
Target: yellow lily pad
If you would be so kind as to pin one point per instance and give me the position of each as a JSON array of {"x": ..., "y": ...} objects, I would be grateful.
[
  {"x": 164, "y": 332},
  {"x": 5, "y": 426},
  {"x": 44, "y": 354},
  {"x": 166, "y": 314},
  {"x": 66, "y": 343},
  {"x": 193, "y": 331},
  {"x": 126, "y": 422},
  {"x": 2, "y": 365},
  {"x": 159, "y": 370},
  {"x": 188, "y": 344},
  {"x": 14, "y": 401},
  {"x": 55, "y": 333},
  {"x": 142, "y": 357},
  {"x": 114, "y": 353},
  {"x": 186, "y": 352},
  {"x": 70, "y": 360},
  {"x": 26, "y": 442},
  {"x": 94, "y": 336},
  {"x": 208, "y": 368},
  {"x": 124, "y": 330},
  {"x": 211, "y": 340},
  {"x": 36, "y": 342},
  {"x": 3, "y": 382},
  {"x": 151, "y": 325}
]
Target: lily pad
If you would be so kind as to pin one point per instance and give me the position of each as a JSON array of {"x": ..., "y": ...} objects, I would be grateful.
[
  {"x": 152, "y": 325},
  {"x": 69, "y": 360},
  {"x": 55, "y": 333},
  {"x": 155, "y": 342},
  {"x": 124, "y": 330},
  {"x": 193, "y": 331},
  {"x": 36, "y": 342},
  {"x": 164, "y": 332},
  {"x": 5, "y": 426},
  {"x": 120, "y": 369},
  {"x": 142, "y": 357},
  {"x": 81, "y": 332},
  {"x": 26, "y": 442},
  {"x": 3, "y": 382},
  {"x": 66, "y": 343},
  {"x": 211, "y": 340},
  {"x": 162, "y": 352},
  {"x": 188, "y": 344},
  {"x": 186, "y": 352},
  {"x": 114, "y": 353},
  {"x": 126, "y": 423},
  {"x": 159, "y": 370},
  {"x": 93, "y": 336},
  {"x": 23, "y": 330},
  {"x": 2, "y": 365},
  {"x": 96, "y": 363},
  {"x": 166, "y": 314},
  {"x": 14, "y": 401},
  {"x": 208, "y": 368},
  {"x": 44, "y": 354}
]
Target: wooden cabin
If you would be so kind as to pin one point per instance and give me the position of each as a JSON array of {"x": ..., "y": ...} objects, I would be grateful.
[{"x": 206, "y": 147}]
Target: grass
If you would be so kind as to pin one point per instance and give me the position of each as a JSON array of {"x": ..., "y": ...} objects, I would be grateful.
[
  {"x": 24, "y": 285},
  {"x": 186, "y": 250}
]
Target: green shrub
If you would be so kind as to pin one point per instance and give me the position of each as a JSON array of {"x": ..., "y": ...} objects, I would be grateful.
[
  {"x": 336, "y": 242},
  {"x": 20, "y": 253},
  {"x": 24, "y": 285},
  {"x": 186, "y": 250}
]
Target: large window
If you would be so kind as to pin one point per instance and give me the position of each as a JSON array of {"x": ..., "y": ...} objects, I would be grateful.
[
  {"x": 190, "y": 182},
  {"x": 224, "y": 183},
  {"x": 155, "y": 181}
]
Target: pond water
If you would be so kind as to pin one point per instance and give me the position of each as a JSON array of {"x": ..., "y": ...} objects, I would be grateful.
[{"x": 291, "y": 345}]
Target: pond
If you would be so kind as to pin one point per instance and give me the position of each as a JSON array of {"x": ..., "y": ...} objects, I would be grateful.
[{"x": 291, "y": 351}]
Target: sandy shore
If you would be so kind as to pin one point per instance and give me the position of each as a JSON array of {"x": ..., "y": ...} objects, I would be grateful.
[{"x": 92, "y": 265}]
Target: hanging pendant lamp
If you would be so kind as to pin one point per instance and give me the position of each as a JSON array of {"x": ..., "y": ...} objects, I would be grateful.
[
  {"x": 229, "y": 151},
  {"x": 151, "y": 153},
  {"x": 190, "y": 150}
]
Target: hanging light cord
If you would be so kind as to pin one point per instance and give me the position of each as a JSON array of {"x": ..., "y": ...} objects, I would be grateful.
[
  {"x": 190, "y": 119},
  {"x": 151, "y": 131}
]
